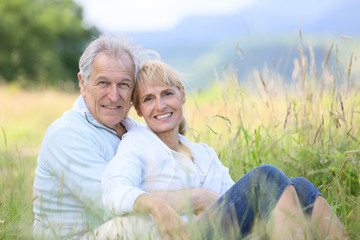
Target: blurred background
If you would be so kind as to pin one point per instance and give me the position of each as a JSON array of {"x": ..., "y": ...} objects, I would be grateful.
[
  {"x": 270, "y": 81},
  {"x": 42, "y": 40}
]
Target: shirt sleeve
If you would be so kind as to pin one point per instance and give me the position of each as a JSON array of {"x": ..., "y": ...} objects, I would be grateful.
[
  {"x": 123, "y": 175},
  {"x": 77, "y": 160},
  {"x": 221, "y": 170}
]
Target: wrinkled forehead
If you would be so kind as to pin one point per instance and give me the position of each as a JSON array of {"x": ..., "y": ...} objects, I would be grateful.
[{"x": 125, "y": 61}]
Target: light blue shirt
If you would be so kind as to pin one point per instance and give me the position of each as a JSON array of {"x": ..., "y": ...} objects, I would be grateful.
[{"x": 73, "y": 155}]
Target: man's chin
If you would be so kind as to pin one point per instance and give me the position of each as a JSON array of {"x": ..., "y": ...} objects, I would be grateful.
[{"x": 113, "y": 124}]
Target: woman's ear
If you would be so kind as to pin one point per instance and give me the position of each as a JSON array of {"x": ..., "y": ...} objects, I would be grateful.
[
  {"x": 183, "y": 95},
  {"x": 138, "y": 111}
]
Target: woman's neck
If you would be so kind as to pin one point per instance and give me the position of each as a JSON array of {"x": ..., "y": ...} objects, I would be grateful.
[{"x": 171, "y": 139}]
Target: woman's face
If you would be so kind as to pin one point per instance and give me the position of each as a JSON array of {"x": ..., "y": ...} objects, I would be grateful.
[{"x": 161, "y": 107}]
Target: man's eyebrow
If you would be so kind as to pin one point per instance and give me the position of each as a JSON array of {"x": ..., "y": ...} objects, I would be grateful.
[
  {"x": 101, "y": 78},
  {"x": 126, "y": 79}
]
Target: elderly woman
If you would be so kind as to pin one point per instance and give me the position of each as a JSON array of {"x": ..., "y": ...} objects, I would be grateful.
[{"x": 160, "y": 158}]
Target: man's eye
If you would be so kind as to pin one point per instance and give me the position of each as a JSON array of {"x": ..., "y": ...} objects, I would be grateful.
[
  {"x": 102, "y": 83},
  {"x": 125, "y": 84}
]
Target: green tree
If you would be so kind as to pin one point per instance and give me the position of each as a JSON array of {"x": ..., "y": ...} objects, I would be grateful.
[{"x": 41, "y": 40}]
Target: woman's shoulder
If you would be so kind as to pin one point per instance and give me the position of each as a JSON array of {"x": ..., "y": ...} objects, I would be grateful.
[
  {"x": 138, "y": 129},
  {"x": 139, "y": 134},
  {"x": 135, "y": 140},
  {"x": 195, "y": 147}
]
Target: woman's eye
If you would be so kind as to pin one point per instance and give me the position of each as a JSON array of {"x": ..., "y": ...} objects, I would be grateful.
[
  {"x": 168, "y": 93},
  {"x": 147, "y": 99}
]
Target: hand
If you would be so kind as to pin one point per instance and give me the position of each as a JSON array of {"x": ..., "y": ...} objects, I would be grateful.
[
  {"x": 169, "y": 223},
  {"x": 198, "y": 199},
  {"x": 202, "y": 199}
]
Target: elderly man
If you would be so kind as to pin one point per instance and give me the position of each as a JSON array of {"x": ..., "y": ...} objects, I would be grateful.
[{"x": 78, "y": 145}]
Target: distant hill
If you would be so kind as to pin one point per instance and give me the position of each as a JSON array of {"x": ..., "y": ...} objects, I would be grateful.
[{"x": 266, "y": 33}]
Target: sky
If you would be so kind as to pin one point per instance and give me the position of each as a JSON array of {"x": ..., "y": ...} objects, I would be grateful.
[
  {"x": 171, "y": 27},
  {"x": 152, "y": 15},
  {"x": 119, "y": 16}
]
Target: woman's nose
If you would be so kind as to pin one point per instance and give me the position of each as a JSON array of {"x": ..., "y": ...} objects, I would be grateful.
[{"x": 160, "y": 104}]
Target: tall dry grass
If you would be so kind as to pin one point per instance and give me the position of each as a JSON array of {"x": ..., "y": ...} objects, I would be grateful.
[{"x": 307, "y": 127}]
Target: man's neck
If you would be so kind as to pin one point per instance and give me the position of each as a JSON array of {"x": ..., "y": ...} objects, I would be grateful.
[{"x": 120, "y": 130}]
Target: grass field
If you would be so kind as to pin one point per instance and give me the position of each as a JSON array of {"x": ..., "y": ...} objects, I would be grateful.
[{"x": 309, "y": 129}]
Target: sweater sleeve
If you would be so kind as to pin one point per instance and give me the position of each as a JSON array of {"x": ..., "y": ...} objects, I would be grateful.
[
  {"x": 77, "y": 160},
  {"x": 123, "y": 175}
]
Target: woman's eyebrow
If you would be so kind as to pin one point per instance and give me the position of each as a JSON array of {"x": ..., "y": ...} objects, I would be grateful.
[
  {"x": 146, "y": 95},
  {"x": 168, "y": 89}
]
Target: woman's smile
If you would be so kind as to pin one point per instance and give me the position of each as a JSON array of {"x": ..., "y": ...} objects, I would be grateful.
[{"x": 163, "y": 116}]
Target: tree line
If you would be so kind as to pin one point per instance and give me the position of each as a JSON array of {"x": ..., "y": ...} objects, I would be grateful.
[{"x": 41, "y": 40}]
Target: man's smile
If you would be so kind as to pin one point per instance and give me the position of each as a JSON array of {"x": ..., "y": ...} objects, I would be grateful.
[{"x": 111, "y": 107}]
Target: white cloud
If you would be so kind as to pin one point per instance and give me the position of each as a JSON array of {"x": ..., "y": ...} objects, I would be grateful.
[{"x": 150, "y": 15}]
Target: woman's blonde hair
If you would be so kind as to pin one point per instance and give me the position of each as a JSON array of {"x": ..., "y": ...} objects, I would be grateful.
[{"x": 157, "y": 72}]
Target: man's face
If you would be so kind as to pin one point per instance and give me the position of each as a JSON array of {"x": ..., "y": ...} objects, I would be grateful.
[{"x": 108, "y": 92}]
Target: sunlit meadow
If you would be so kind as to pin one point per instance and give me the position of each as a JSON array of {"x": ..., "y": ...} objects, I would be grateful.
[{"x": 309, "y": 127}]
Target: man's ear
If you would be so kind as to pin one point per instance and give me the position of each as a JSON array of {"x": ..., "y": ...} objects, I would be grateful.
[
  {"x": 183, "y": 95},
  {"x": 82, "y": 85},
  {"x": 138, "y": 111}
]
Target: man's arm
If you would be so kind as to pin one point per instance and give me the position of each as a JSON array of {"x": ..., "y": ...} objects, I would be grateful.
[{"x": 75, "y": 158}]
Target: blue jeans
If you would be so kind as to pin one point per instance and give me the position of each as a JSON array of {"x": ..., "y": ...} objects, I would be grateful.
[{"x": 254, "y": 195}]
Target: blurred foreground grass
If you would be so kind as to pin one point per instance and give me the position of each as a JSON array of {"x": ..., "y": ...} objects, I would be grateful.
[{"x": 308, "y": 129}]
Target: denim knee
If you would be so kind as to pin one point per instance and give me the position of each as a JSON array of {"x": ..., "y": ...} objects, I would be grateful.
[
  {"x": 259, "y": 190},
  {"x": 272, "y": 181},
  {"x": 266, "y": 169},
  {"x": 270, "y": 176},
  {"x": 256, "y": 193},
  {"x": 306, "y": 192}
]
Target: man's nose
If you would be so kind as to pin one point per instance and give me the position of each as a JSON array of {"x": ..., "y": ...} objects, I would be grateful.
[{"x": 114, "y": 94}]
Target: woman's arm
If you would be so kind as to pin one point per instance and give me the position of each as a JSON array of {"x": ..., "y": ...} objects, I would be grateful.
[
  {"x": 199, "y": 199},
  {"x": 169, "y": 223},
  {"x": 121, "y": 180}
]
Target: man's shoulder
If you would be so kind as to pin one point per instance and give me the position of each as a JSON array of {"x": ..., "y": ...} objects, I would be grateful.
[
  {"x": 71, "y": 126},
  {"x": 70, "y": 120}
]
